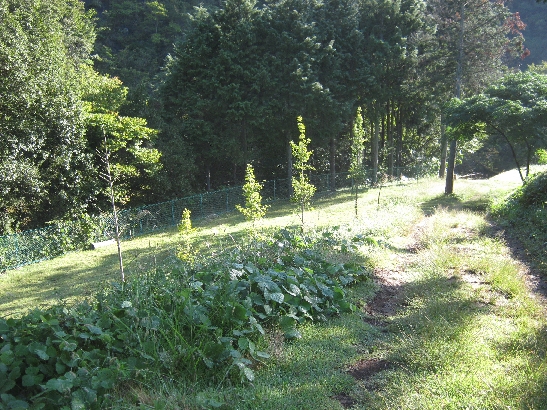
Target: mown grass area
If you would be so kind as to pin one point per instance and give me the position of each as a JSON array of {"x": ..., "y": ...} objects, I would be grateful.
[
  {"x": 462, "y": 331},
  {"x": 79, "y": 275}
]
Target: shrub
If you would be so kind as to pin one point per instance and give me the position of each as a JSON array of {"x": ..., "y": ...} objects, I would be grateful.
[
  {"x": 61, "y": 357},
  {"x": 525, "y": 211},
  {"x": 253, "y": 209},
  {"x": 303, "y": 190},
  {"x": 198, "y": 321},
  {"x": 532, "y": 194}
]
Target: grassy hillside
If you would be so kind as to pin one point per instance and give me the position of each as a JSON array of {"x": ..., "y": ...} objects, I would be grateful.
[{"x": 444, "y": 317}]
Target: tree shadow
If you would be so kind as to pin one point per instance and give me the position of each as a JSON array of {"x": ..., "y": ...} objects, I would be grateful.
[
  {"x": 80, "y": 275},
  {"x": 454, "y": 202},
  {"x": 441, "y": 317},
  {"x": 433, "y": 314},
  {"x": 533, "y": 389}
]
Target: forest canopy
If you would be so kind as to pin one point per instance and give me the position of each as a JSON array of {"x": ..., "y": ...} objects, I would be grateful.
[{"x": 185, "y": 96}]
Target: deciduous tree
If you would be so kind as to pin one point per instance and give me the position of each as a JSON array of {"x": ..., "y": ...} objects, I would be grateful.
[
  {"x": 514, "y": 109},
  {"x": 472, "y": 38},
  {"x": 303, "y": 190},
  {"x": 43, "y": 47}
]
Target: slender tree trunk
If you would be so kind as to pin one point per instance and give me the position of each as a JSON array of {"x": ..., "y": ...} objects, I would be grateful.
[
  {"x": 390, "y": 147},
  {"x": 382, "y": 146},
  {"x": 208, "y": 178},
  {"x": 114, "y": 210},
  {"x": 444, "y": 147},
  {"x": 117, "y": 227},
  {"x": 245, "y": 145},
  {"x": 449, "y": 188},
  {"x": 375, "y": 150},
  {"x": 289, "y": 166},
  {"x": 399, "y": 145},
  {"x": 529, "y": 152},
  {"x": 513, "y": 152}
]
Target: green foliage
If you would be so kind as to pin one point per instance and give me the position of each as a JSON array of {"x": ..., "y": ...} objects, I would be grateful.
[
  {"x": 186, "y": 252},
  {"x": 244, "y": 71},
  {"x": 185, "y": 225},
  {"x": 58, "y": 238},
  {"x": 532, "y": 194},
  {"x": 356, "y": 171},
  {"x": 525, "y": 212},
  {"x": 303, "y": 190},
  {"x": 541, "y": 155},
  {"x": 43, "y": 47},
  {"x": 133, "y": 161},
  {"x": 253, "y": 209},
  {"x": 61, "y": 357},
  {"x": 74, "y": 234},
  {"x": 222, "y": 304},
  {"x": 514, "y": 109},
  {"x": 539, "y": 68},
  {"x": 204, "y": 320},
  {"x": 357, "y": 147}
]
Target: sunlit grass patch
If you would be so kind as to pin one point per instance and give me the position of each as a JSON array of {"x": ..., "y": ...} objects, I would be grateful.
[
  {"x": 455, "y": 344},
  {"x": 465, "y": 334}
]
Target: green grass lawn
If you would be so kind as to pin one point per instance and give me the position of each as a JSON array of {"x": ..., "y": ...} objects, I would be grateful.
[{"x": 458, "y": 327}]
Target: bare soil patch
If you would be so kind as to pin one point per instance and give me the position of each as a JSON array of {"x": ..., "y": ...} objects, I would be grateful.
[
  {"x": 364, "y": 369},
  {"x": 345, "y": 400},
  {"x": 387, "y": 300}
]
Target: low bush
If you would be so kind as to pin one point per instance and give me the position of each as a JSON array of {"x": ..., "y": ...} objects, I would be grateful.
[
  {"x": 199, "y": 320},
  {"x": 61, "y": 357},
  {"x": 525, "y": 212}
]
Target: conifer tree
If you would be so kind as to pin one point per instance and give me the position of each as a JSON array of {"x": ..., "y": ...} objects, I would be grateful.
[
  {"x": 253, "y": 209},
  {"x": 356, "y": 171}
]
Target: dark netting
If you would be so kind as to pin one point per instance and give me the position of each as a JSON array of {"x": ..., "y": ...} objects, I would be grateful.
[{"x": 36, "y": 245}]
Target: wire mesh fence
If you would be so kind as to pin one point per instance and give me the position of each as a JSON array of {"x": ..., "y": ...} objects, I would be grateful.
[{"x": 33, "y": 246}]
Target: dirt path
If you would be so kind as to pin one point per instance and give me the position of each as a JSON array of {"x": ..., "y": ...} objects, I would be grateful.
[
  {"x": 391, "y": 282},
  {"x": 386, "y": 302}
]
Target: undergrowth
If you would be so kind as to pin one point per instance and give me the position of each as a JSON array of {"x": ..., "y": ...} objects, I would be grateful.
[
  {"x": 238, "y": 321},
  {"x": 524, "y": 212},
  {"x": 203, "y": 320}
]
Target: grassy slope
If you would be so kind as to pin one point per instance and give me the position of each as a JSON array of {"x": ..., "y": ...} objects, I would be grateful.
[{"x": 467, "y": 334}]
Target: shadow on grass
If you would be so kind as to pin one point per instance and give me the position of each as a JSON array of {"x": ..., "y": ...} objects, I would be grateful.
[
  {"x": 421, "y": 335},
  {"x": 76, "y": 276},
  {"x": 454, "y": 202},
  {"x": 533, "y": 389},
  {"x": 434, "y": 342},
  {"x": 80, "y": 275}
]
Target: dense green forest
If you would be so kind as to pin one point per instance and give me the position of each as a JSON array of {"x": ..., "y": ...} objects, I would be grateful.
[
  {"x": 534, "y": 16},
  {"x": 182, "y": 96}
]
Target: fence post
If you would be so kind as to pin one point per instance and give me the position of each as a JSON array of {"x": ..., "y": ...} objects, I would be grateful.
[
  {"x": 227, "y": 201},
  {"x": 201, "y": 204},
  {"x": 274, "y": 189}
]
